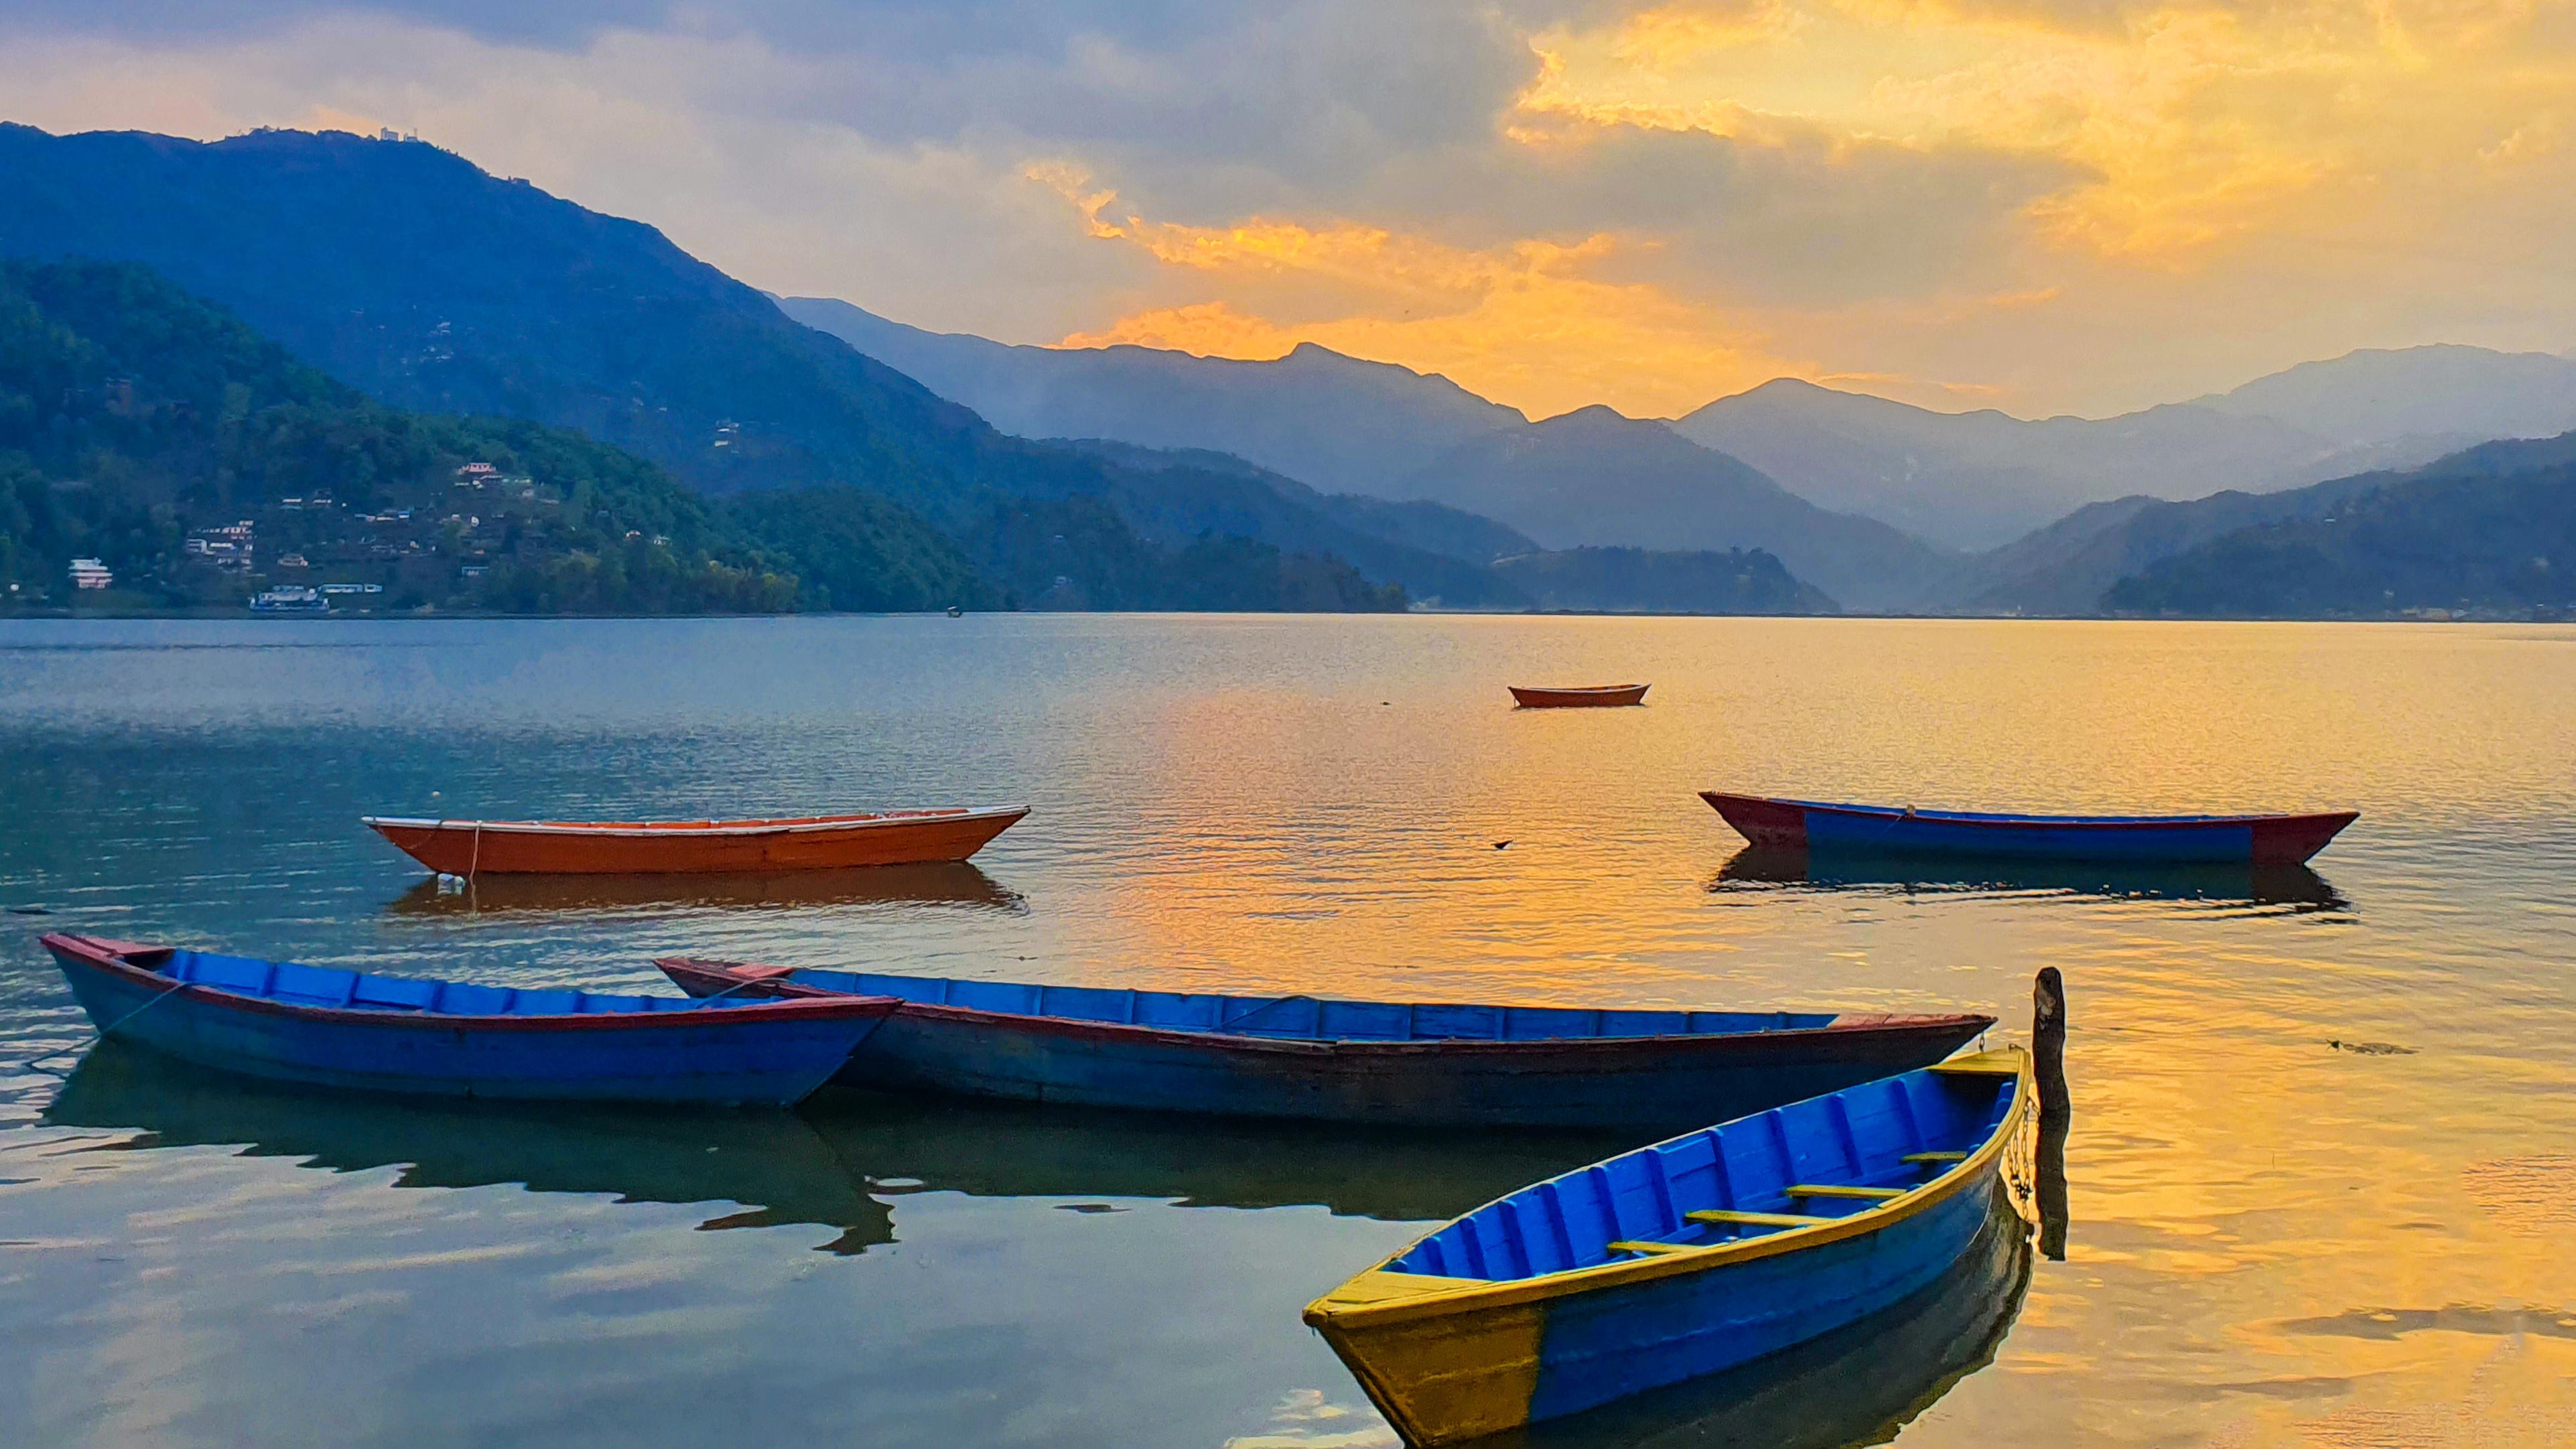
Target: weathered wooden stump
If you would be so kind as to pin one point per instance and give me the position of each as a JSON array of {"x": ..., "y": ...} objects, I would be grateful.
[{"x": 2056, "y": 1108}]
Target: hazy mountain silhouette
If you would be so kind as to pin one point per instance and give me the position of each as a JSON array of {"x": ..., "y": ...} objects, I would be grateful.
[
  {"x": 1183, "y": 494},
  {"x": 2071, "y": 567},
  {"x": 1622, "y": 580},
  {"x": 1595, "y": 478},
  {"x": 1975, "y": 480},
  {"x": 2492, "y": 528},
  {"x": 2377, "y": 397},
  {"x": 1333, "y": 422}
]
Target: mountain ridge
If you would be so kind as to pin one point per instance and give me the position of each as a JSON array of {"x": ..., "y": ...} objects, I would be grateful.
[
  {"x": 512, "y": 302},
  {"x": 1977, "y": 479}
]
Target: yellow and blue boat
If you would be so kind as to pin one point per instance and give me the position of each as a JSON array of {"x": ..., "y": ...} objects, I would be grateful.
[{"x": 1685, "y": 1258}]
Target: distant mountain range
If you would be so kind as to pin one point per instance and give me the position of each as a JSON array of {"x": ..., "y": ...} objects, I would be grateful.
[
  {"x": 1332, "y": 422},
  {"x": 1959, "y": 481},
  {"x": 1588, "y": 479},
  {"x": 1978, "y": 480},
  {"x": 1154, "y": 479},
  {"x": 2489, "y": 529},
  {"x": 1594, "y": 479}
]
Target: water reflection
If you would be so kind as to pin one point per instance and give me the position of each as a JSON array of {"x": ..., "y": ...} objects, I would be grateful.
[
  {"x": 2294, "y": 887},
  {"x": 999, "y": 1149},
  {"x": 843, "y": 1162},
  {"x": 947, "y": 884},
  {"x": 1857, "y": 1385},
  {"x": 773, "y": 1163}
]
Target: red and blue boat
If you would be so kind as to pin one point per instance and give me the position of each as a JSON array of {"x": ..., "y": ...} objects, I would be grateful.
[
  {"x": 1691, "y": 1257},
  {"x": 1319, "y": 1059},
  {"x": 2142, "y": 839},
  {"x": 327, "y": 1027}
]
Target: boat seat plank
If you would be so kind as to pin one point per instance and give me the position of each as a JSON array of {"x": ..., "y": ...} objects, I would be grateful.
[
  {"x": 1755, "y": 1220},
  {"x": 1827, "y": 1189},
  {"x": 1931, "y": 1157},
  {"x": 1647, "y": 1248}
]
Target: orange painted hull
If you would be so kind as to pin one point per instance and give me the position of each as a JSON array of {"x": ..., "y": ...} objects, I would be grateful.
[
  {"x": 1594, "y": 696},
  {"x": 833, "y": 842}
]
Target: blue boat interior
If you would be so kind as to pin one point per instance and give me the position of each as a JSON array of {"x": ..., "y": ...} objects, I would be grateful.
[
  {"x": 1308, "y": 1018},
  {"x": 329, "y": 986},
  {"x": 1795, "y": 1166},
  {"x": 1899, "y": 812}
]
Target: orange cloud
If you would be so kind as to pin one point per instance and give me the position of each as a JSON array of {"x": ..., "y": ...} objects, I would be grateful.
[{"x": 1524, "y": 323}]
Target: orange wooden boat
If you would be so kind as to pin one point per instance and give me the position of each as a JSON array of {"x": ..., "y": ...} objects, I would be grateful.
[
  {"x": 1581, "y": 696},
  {"x": 820, "y": 842}
]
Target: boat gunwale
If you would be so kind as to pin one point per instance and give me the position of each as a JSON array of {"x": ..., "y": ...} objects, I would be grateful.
[
  {"x": 1844, "y": 1023},
  {"x": 1458, "y": 1295},
  {"x": 699, "y": 829},
  {"x": 110, "y": 959},
  {"x": 1719, "y": 799}
]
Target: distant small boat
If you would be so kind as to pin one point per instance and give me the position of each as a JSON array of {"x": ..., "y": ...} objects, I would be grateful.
[
  {"x": 2163, "y": 839},
  {"x": 1581, "y": 696},
  {"x": 326, "y": 1027},
  {"x": 1393, "y": 1063},
  {"x": 820, "y": 842},
  {"x": 1682, "y": 1259}
]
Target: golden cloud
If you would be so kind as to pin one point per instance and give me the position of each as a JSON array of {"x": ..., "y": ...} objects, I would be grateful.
[
  {"x": 1524, "y": 323},
  {"x": 2195, "y": 124}
]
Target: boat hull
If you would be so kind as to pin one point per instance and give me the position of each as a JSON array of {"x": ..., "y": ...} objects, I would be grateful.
[
  {"x": 2166, "y": 840},
  {"x": 1610, "y": 696},
  {"x": 756, "y": 1055},
  {"x": 1445, "y": 1380},
  {"x": 469, "y": 847},
  {"x": 1450, "y": 1359},
  {"x": 1643, "y": 1084}
]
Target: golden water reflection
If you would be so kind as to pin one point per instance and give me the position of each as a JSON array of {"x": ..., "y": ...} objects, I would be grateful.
[{"x": 2276, "y": 1241}]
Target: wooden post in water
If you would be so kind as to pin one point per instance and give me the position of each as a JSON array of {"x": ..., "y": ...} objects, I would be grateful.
[{"x": 2056, "y": 1107}]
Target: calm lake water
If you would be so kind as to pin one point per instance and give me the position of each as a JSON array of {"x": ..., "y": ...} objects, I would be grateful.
[{"x": 2275, "y": 1239}]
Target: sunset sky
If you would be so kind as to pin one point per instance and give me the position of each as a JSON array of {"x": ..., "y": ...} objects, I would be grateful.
[{"x": 2039, "y": 205}]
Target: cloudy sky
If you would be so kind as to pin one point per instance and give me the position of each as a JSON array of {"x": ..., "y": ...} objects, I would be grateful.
[{"x": 2040, "y": 205}]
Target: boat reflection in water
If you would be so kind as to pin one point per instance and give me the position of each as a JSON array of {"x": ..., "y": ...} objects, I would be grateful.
[
  {"x": 1856, "y": 1385},
  {"x": 945, "y": 884},
  {"x": 2293, "y": 887},
  {"x": 772, "y": 1163},
  {"x": 844, "y": 1162}
]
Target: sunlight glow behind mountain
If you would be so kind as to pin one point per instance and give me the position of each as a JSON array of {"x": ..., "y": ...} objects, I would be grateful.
[{"x": 2042, "y": 205}]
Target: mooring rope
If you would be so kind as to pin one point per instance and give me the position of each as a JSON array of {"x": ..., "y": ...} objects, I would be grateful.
[{"x": 177, "y": 988}]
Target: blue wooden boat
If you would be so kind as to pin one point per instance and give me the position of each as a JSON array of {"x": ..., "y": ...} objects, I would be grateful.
[
  {"x": 327, "y": 1027},
  {"x": 1682, "y": 1259},
  {"x": 2162, "y": 839},
  {"x": 1394, "y": 1063},
  {"x": 1861, "y": 1384}
]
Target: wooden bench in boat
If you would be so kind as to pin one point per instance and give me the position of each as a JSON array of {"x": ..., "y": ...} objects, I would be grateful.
[
  {"x": 1865, "y": 1194},
  {"x": 1754, "y": 1220}
]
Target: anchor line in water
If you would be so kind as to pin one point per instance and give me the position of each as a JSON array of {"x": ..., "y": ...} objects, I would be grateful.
[{"x": 32, "y": 1063}]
